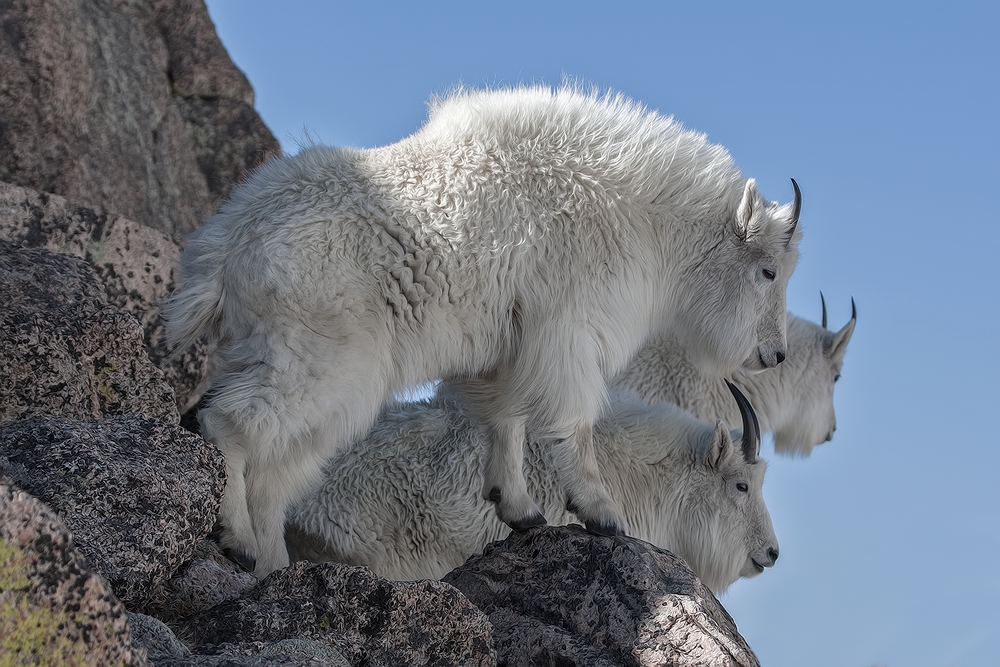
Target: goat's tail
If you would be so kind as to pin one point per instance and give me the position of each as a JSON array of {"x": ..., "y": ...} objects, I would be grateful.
[{"x": 195, "y": 308}]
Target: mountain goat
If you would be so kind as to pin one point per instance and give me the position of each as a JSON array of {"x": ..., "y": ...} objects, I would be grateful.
[
  {"x": 794, "y": 400},
  {"x": 525, "y": 241},
  {"x": 405, "y": 501}
]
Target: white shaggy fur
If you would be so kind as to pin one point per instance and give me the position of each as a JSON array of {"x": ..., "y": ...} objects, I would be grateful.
[
  {"x": 405, "y": 500},
  {"x": 794, "y": 400},
  {"x": 527, "y": 241}
]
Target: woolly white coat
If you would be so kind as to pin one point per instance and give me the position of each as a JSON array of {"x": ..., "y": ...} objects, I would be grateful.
[{"x": 527, "y": 241}]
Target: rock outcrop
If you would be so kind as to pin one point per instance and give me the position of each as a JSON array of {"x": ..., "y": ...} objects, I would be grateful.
[
  {"x": 559, "y": 595},
  {"x": 137, "y": 493},
  {"x": 123, "y": 124},
  {"x": 135, "y": 265},
  {"x": 131, "y": 108}
]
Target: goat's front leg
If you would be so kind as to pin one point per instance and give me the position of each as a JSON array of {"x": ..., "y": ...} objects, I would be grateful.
[
  {"x": 504, "y": 476},
  {"x": 586, "y": 495}
]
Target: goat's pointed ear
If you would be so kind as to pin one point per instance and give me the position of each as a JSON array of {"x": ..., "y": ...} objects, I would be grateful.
[
  {"x": 722, "y": 446},
  {"x": 750, "y": 211},
  {"x": 840, "y": 339}
]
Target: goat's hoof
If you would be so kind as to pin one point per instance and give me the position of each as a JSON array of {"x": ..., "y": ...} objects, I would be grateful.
[
  {"x": 246, "y": 561},
  {"x": 609, "y": 528},
  {"x": 494, "y": 496},
  {"x": 528, "y": 522}
]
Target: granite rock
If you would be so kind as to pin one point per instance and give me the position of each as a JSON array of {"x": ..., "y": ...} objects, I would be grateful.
[
  {"x": 53, "y": 608},
  {"x": 365, "y": 618},
  {"x": 135, "y": 263},
  {"x": 113, "y": 104},
  {"x": 559, "y": 595},
  {"x": 64, "y": 351},
  {"x": 138, "y": 494}
]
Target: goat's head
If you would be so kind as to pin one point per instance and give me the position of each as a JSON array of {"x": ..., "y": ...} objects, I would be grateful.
[
  {"x": 735, "y": 316},
  {"x": 808, "y": 417},
  {"x": 730, "y": 526}
]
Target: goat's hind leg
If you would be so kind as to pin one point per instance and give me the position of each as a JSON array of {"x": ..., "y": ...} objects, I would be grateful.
[
  {"x": 273, "y": 487},
  {"x": 234, "y": 529}
]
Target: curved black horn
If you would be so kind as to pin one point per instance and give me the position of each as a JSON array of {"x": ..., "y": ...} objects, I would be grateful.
[
  {"x": 751, "y": 427},
  {"x": 796, "y": 208},
  {"x": 823, "y": 301},
  {"x": 854, "y": 310}
]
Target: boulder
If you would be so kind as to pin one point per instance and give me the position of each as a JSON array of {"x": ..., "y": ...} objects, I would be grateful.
[
  {"x": 138, "y": 494},
  {"x": 53, "y": 608},
  {"x": 126, "y": 107},
  {"x": 64, "y": 351},
  {"x": 365, "y": 618},
  {"x": 135, "y": 263},
  {"x": 156, "y": 638},
  {"x": 559, "y": 595},
  {"x": 207, "y": 580}
]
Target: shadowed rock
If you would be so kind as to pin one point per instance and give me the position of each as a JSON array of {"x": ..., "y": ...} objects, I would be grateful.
[
  {"x": 365, "y": 618},
  {"x": 558, "y": 595}
]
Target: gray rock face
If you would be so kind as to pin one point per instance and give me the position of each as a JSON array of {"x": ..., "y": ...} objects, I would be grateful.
[
  {"x": 153, "y": 635},
  {"x": 264, "y": 660},
  {"x": 138, "y": 494},
  {"x": 119, "y": 105},
  {"x": 64, "y": 351},
  {"x": 207, "y": 580},
  {"x": 53, "y": 608},
  {"x": 124, "y": 124},
  {"x": 135, "y": 264},
  {"x": 558, "y": 595},
  {"x": 368, "y": 620}
]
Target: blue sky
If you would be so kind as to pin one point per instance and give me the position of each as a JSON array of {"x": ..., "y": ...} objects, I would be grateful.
[{"x": 887, "y": 114}]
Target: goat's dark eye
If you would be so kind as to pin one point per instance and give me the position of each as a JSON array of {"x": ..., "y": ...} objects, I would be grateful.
[
  {"x": 836, "y": 377},
  {"x": 742, "y": 487},
  {"x": 769, "y": 274}
]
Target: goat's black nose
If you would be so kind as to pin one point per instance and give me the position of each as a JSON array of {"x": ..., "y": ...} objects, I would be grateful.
[
  {"x": 773, "y": 553},
  {"x": 781, "y": 357}
]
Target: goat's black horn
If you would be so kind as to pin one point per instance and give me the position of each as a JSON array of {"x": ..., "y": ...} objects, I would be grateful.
[
  {"x": 854, "y": 310},
  {"x": 751, "y": 427},
  {"x": 796, "y": 209},
  {"x": 823, "y": 301}
]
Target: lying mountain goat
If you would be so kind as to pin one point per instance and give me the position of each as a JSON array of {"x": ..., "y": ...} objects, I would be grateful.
[
  {"x": 405, "y": 500},
  {"x": 526, "y": 240},
  {"x": 794, "y": 400}
]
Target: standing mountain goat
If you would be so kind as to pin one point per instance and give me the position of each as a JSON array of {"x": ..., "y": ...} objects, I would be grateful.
[
  {"x": 526, "y": 241},
  {"x": 794, "y": 400},
  {"x": 405, "y": 500}
]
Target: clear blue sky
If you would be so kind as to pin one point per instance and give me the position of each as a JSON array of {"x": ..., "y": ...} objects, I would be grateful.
[{"x": 887, "y": 115}]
